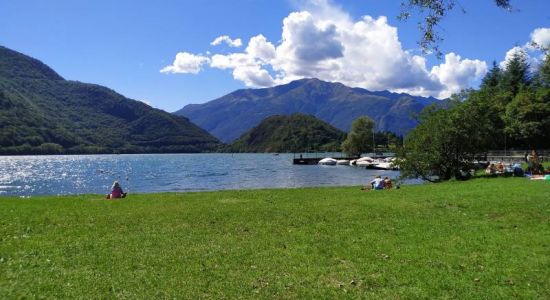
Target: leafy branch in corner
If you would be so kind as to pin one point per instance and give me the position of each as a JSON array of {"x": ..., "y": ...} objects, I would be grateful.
[{"x": 432, "y": 12}]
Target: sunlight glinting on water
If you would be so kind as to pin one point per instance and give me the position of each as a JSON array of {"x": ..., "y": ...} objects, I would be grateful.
[{"x": 82, "y": 174}]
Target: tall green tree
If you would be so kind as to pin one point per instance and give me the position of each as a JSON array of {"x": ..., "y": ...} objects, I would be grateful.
[
  {"x": 446, "y": 141},
  {"x": 527, "y": 117},
  {"x": 543, "y": 76},
  {"x": 516, "y": 73},
  {"x": 493, "y": 77},
  {"x": 360, "y": 138}
]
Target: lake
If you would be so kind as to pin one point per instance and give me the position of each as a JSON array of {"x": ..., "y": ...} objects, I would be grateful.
[{"x": 147, "y": 173}]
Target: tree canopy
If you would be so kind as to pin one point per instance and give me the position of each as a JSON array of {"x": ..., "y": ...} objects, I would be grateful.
[
  {"x": 360, "y": 138},
  {"x": 510, "y": 110}
]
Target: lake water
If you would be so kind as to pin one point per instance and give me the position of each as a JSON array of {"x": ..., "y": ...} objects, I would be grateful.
[{"x": 146, "y": 173}]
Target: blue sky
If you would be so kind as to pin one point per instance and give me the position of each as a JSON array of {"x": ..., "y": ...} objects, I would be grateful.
[{"x": 125, "y": 44}]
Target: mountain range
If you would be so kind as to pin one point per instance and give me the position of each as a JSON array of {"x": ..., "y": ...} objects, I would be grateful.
[
  {"x": 42, "y": 113},
  {"x": 230, "y": 116}
]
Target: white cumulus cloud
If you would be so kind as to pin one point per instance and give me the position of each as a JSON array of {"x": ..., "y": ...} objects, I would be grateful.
[
  {"x": 541, "y": 37},
  {"x": 511, "y": 53},
  {"x": 456, "y": 73},
  {"x": 248, "y": 66},
  {"x": 226, "y": 39},
  {"x": 260, "y": 48},
  {"x": 186, "y": 63},
  {"x": 325, "y": 42}
]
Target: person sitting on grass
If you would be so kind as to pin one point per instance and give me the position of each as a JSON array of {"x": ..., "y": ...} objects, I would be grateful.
[
  {"x": 491, "y": 169},
  {"x": 376, "y": 184},
  {"x": 116, "y": 191},
  {"x": 500, "y": 168},
  {"x": 517, "y": 170},
  {"x": 534, "y": 166},
  {"x": 387, "y": 183}
]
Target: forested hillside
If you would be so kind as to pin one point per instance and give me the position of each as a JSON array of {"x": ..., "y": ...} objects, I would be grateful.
[
  {"x": 295, "y": 133},
  {"x": 41, "y": 113}
]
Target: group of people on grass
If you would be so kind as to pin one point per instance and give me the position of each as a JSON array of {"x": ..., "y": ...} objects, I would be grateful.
[
  {"x": 501, "y": 168},
  {"x": 379, "y": 184},
  {"x": 534, "y": 167}
]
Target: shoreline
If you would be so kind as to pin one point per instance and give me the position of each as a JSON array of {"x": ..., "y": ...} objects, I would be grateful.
[
  {"x": 448, "y": 240},
  {"x": 189, "y": 192},
  {"x": 269, "y": 189}
]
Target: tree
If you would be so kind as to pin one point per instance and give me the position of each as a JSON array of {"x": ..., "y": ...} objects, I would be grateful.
[
  {"x": 387, "y": 140},
  {"x": 527, "y": 117},
  {"x": 542, "y": 78},
  {"x": 493, "y": 77},
  {"x": 445, "y": 142},
  {"x": 516, "y": 73},
  {"x": 432, "y": 12},
  {"x": 51, "y": 148},
  {"x": 359, "y": 139}
]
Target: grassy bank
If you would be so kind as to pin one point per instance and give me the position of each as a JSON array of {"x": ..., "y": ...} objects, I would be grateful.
[{"x": 485, "y": 238}]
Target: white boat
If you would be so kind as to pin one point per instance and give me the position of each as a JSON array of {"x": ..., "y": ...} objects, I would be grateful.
[
  {"x": 342, "y": 162},
  {"x": 364, "y": 161},
  {"x": 366, "y": 158},
  {"x": 327, "y": 161},
  {"x": 383, "y": 166}
]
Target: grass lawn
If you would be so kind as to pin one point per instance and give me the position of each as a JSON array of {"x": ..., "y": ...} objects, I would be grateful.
[{"x": 484, "y": 238}]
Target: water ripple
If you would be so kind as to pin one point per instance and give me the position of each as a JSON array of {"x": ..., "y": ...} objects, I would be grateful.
[{"x": 80, "y": 174}]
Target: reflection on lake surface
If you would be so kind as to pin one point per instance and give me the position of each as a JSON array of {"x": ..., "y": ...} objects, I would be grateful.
[{"x": 145, "y": 173}]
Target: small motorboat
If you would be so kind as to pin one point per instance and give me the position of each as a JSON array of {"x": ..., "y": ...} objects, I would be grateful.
[
  {"x": 364, "y": 161},
  {"x": 327, "y": 161}
]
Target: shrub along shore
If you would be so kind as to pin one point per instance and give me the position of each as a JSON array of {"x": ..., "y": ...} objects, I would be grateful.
[{"x": 484, "y": 238}]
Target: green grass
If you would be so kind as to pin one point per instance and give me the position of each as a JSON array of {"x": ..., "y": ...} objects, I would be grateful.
[{"x": 484, "y": 238}]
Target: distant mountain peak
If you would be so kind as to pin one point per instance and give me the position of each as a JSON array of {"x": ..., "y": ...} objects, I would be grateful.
[{"x": 233, "y": 114}]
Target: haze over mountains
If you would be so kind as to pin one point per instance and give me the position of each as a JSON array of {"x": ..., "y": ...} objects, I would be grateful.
[
  {"x": 42, "y": 113},
  {"x": 228, "y": 117}
]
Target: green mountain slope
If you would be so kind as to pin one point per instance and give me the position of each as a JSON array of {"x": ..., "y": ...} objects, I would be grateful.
[
  {"x": 41, "y": 113},
  {"x": 295, "y": 133},
  {"x": 233, "y": 114}
]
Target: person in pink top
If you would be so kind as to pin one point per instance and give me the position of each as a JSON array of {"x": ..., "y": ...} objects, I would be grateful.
[{"x": 116, "y": 191}]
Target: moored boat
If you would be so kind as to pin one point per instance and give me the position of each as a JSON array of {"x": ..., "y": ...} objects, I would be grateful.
[{"x": 327, "y": 161}]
